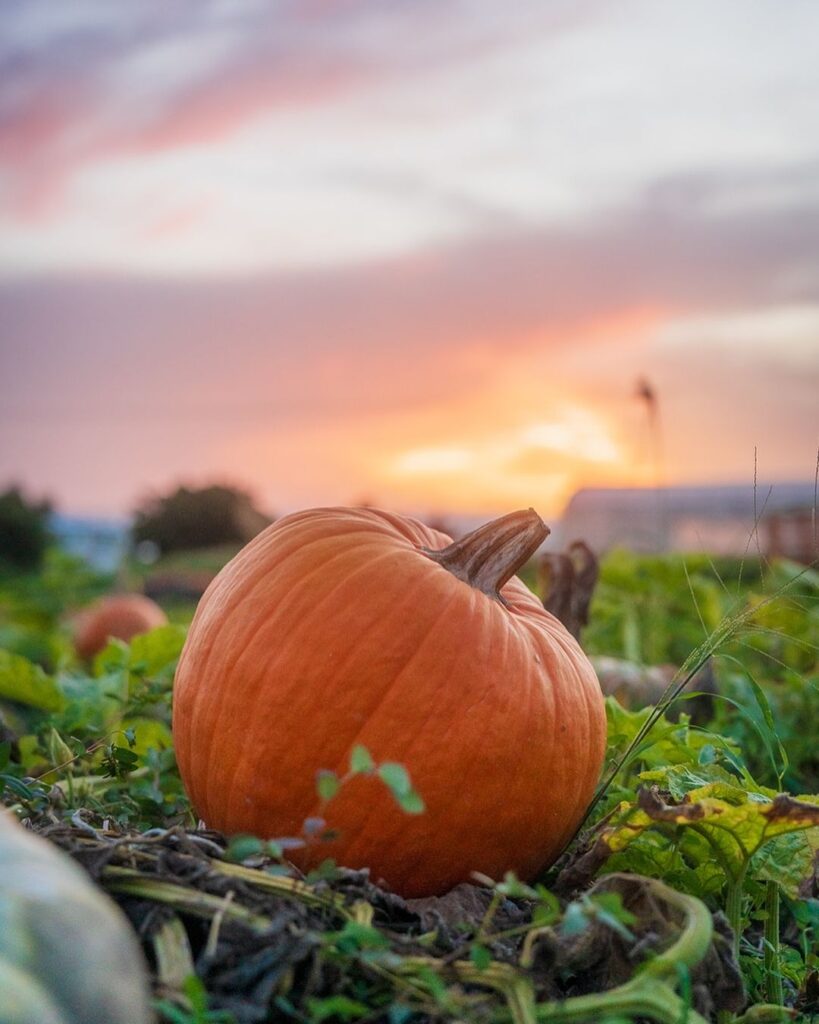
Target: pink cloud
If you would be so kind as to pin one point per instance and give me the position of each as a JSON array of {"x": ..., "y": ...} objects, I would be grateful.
[
  {"x": 52, "y": 134},
  {"x": 69, "y": 105}
]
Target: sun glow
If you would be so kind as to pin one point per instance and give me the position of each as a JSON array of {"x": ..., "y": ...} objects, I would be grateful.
[
  {"x": 536, "y": 460},
  {"x": 506, "y": 427}
]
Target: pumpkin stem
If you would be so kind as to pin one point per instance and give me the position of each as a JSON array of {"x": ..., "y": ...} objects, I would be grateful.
[{"x": 491, "y": 555}]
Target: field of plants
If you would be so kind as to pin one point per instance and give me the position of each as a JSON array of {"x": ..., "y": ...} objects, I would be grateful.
[{"x": 690, "y": 892}]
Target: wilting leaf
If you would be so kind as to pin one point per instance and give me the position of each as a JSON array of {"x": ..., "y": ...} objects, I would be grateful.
[{"x": 739, "y": 827}]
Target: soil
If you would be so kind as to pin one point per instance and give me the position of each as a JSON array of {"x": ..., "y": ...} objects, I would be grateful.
[{"x": 263, "y": 954}]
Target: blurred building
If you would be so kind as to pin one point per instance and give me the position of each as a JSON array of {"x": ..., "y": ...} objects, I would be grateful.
[
  {"x": 101, "y": 542},
  {"x": 719, "y": 519},
  {"x": 792, "y": 533}
]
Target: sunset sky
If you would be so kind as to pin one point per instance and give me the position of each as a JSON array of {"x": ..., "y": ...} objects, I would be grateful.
[{"x": 414, "y": 252}]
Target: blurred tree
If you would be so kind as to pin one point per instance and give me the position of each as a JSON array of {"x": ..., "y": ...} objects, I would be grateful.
[
  {"x": 24, "y": 531},
  {"x": 188, "y": 519}
]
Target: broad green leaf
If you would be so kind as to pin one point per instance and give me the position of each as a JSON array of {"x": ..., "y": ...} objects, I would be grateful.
[
  {"x": 148, "y": 654},
  {"x": 148, "y": 733},
  {"x": 158, "y": 649},
  {"x": 681, "y": 779},
  {"x": 23, "y": 681},
  {"x": 788, "y": 860}
]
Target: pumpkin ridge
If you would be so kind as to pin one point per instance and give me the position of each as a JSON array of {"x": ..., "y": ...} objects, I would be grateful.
[
  {"x": 215, "y": 634},
  {"x": 584, "y": 721},
  {"x": 487, "y": 608},
  {"x": 248, "y": 652},
  {"x": 432, "y": 712},
  {"x": 256, "y": 717},
  {"x": 340, "y": 767},
  {"x": 243, "y": 652}
]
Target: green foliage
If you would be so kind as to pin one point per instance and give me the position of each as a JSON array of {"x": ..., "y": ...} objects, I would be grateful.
[
  {"x": 395, "y": 776},
  {"x": 188, "y": 519},
  {"x": 699, "y": 808},
  {"x": 35, "y": 608},
  {"x": 23, "y": 682},
  {"x": 196, "y": 1010},
  {"x": 657, "y": 610},
  {"x": 639, "y": 596},
  {"x": 398, "y": 782},
  {"x": 606, "y": 907},
  {"x": 24, "y": 532},
  {"x": 99, "y": 740}
]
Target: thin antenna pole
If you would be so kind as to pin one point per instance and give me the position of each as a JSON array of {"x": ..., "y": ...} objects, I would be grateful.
[{"x": 646, "y": 393}]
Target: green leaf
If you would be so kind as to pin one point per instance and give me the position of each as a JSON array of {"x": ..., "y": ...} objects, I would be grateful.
[
  {"x": 118, "y": 761},
  {"x": 788, "y": 860},
  {"x": 157, "y": 650},
  {"x": 361, "y": 760},
  {"x": 609, "y": 909},
  {"x": 480, "y": 956},
  {"x": 59, "y": 753},
  {"x": 339, "y": 1007},
  {"x": 396, "y": 777},
  {"x": 171, "y": 1013},
  {"x": 26, "y": 683},
  {"x": 737, "y": 825},
  {"x": 355, "y": 937},
  {"x": 5, "y": 753},
  {"x": 327, "y": 784},
  {"x": 411, "y": 803},
  {"x": 242, "y": 847},
  {"x": 575, "y": 920},
  {"x": 326, "y": 871},
  {"x": 143, "y": 734},
  {"x": 547, "y": 910},
  {"x": 196, "y": 993}
]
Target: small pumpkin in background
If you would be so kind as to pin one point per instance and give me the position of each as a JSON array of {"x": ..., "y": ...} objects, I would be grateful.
[
  {"x": 340, "y": 627},
  {"x": 121, "y": 616},
  {"x": 67, "y": 953}
]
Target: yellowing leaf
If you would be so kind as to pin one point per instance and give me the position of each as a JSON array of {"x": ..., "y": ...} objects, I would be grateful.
[
  {"x": 23, "y": 681},
  {"x": 738, "y": 826},
  {"x": 149, "y": 733}
]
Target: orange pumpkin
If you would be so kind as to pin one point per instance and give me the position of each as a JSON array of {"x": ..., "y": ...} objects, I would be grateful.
[
  {"x": 122, "y": 616},
  {"x": 339, "y": 626}
]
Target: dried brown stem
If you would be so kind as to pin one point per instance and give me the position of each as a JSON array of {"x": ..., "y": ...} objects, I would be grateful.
[{"x": 491, "y": 555}]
